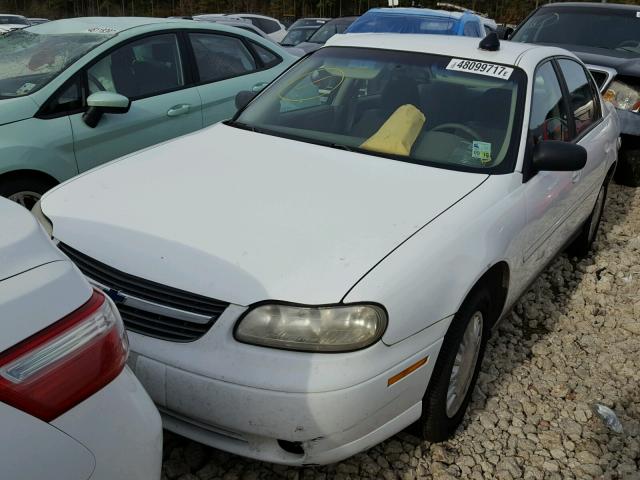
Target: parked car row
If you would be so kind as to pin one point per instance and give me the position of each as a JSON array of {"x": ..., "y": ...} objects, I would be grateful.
[{"x": 304, "y": 257}]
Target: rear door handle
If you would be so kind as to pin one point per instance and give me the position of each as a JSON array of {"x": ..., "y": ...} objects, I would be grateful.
[
  {"x": 575, "y": 176},
  {"x": 177, "y": 110}
]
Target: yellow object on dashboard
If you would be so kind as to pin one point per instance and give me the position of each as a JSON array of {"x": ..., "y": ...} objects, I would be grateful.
[{"x": 398, "y": 133}]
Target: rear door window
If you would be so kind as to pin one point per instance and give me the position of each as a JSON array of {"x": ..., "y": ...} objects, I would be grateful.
[
  {"x": 220, "y": 56},
  {"x": 267, "y": 57},
  {"x": 583, "y": 98}
]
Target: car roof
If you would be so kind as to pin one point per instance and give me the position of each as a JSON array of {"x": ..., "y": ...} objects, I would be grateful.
[
  {"x": 305, "y": 27},
  {"x": 421, "y": 12},
  {"x": 604, "y": 6},
  {"x": 105, "y": 24},
  {"x": 452, "y": 46}
]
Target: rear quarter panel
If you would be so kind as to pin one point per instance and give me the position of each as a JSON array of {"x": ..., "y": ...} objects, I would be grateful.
[{"x": 33, "y": 449}]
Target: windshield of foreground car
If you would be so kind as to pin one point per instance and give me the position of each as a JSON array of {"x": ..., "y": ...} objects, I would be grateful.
[
  {"x": 427, "y": 109},
  {"x": 614, "y": 29},
  {"x": 28, "y": 60},
  {"x": 13, "y": 20}
]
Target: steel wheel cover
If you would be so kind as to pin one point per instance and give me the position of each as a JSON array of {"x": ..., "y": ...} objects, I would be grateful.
[
  {"x": 26, "y": 198},
  {"x": 464, "y": 364}
]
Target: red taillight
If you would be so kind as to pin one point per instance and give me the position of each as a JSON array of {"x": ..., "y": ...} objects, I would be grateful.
[{"x": 58, "y": 367}]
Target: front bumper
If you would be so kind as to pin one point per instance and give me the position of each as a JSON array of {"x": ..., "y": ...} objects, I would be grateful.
[
  {"x": 121, "y": 427},
  {"x": 629, "y": 122},
  {"x": 245, "y": 399}
]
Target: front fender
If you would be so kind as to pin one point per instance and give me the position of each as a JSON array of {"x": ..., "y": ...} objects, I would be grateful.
[
  {"x": 39, "y": 145},
  {"x": 428, "y": 277}
]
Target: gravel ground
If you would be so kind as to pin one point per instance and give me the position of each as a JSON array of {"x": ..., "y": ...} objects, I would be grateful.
[{"x": 573, "y": 340}]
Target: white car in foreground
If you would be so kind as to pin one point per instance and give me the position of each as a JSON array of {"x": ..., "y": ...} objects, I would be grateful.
[
  {"x": 69, "y": 407},
  {"x": 309, "y": 279}
]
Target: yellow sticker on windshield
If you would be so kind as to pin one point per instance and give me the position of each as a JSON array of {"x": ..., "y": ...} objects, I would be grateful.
[{"x": 481, "y": 151}]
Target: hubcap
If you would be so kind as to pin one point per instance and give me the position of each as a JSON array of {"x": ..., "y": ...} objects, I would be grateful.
[
  {"x": 464, "y": 364},
  {"x": 597, "y": 213},
  {"x": 27, "y": 199}
]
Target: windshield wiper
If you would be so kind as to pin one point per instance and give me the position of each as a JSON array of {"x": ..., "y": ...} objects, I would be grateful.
[
  {"x": 339, "y": 146},
  {"x": 243, "y": 126}
]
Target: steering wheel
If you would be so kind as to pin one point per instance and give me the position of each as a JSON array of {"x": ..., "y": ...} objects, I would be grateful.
[
  {"x": 458, "y": 127},
  {"x": 96, "y": 82}
]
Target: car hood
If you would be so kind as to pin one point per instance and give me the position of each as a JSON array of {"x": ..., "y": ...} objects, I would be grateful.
[
  {"x": 294, "y": 50},
  {"x": 244, "y": 217},
  {"x": 625, "y": 63},
  {"x": 308, "y": 47},
  {"x": 23, "y": 244},
  {"x": 7, "y": 27},
  {"x": 16, "y": 109}
]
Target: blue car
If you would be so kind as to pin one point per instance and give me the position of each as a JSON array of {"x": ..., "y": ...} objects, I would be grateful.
[{"x": 418, "y": 20}]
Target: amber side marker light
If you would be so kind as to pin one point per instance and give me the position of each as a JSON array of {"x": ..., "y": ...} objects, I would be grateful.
[{"x": 399, "y": 376}]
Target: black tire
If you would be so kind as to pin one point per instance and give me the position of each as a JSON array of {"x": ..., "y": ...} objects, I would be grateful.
[
  {"x": 581, "y": 246},
  {"x": 436, "y": 425},
  {"x": 628, "y": 170},
  {"x": 25, "y": 190}
]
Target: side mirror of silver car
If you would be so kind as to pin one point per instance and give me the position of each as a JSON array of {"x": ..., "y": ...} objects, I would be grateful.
[
  {"x": 100, "y": 103},
  {"x": 557, "y": 156}
]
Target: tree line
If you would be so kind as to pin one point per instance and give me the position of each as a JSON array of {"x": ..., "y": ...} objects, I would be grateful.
[{"x": 503, "y": 11}]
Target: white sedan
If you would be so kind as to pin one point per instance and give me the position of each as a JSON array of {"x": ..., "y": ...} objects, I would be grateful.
[
  {"x": 69, "y": 407},
  {"x": 323, "y": 271}
]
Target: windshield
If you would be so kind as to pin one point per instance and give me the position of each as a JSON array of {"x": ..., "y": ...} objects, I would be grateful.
[
  {"x": 328, "y": 30},
  {"x": 392, "y": 23},
  {"x": 427, "y": 109},
  {"x": 297, "y": 35},
  {"x": 610, "y": 29},
  {"x": 13, "y": 20},
  {"x": 308, "y": 22},
  {"x": 28, "y": 61}
]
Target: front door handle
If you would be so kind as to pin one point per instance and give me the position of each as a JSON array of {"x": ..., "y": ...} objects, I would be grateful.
[
  {"x": 258, "y": 86},
  {"x": 177, "y": 110}
]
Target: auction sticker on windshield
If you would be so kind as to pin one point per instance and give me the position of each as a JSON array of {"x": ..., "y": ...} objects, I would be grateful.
[{"x": 480, "y": 68}]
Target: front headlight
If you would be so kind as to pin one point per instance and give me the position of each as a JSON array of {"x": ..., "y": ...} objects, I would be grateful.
[
  {"x": 44, "y": 221},
  {"x": 623, "y": 96},
  {"x": 340, "y": 328}
]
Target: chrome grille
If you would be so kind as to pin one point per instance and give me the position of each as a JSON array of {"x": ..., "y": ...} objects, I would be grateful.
[{"x": 150, "y": 308}]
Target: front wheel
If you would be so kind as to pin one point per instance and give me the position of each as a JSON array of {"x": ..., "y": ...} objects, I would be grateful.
[
  {"x": 456, "y": 370},
  {"x": 25, "y": 191}
]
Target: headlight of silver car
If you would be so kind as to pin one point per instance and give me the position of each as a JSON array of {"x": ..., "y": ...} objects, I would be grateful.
[
  {"x": 623, "y": 96},
  {"x": 339, "y": 328},
  {"x": 44, "y": 221}
]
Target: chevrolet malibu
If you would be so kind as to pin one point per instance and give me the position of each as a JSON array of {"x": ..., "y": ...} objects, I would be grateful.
[
  {"x": 323, "y": 271},
  {"x": 70, "y": 409},
  {"x": 79, "y": 92}
]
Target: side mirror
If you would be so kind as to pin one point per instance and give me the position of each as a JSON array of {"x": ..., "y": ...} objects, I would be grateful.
[
  {"x": 100, "y": 103},
  {"x": 243, "y": 98},
  {"x": 556, "y": 156},
  {"x": 504, "y": 32}
]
